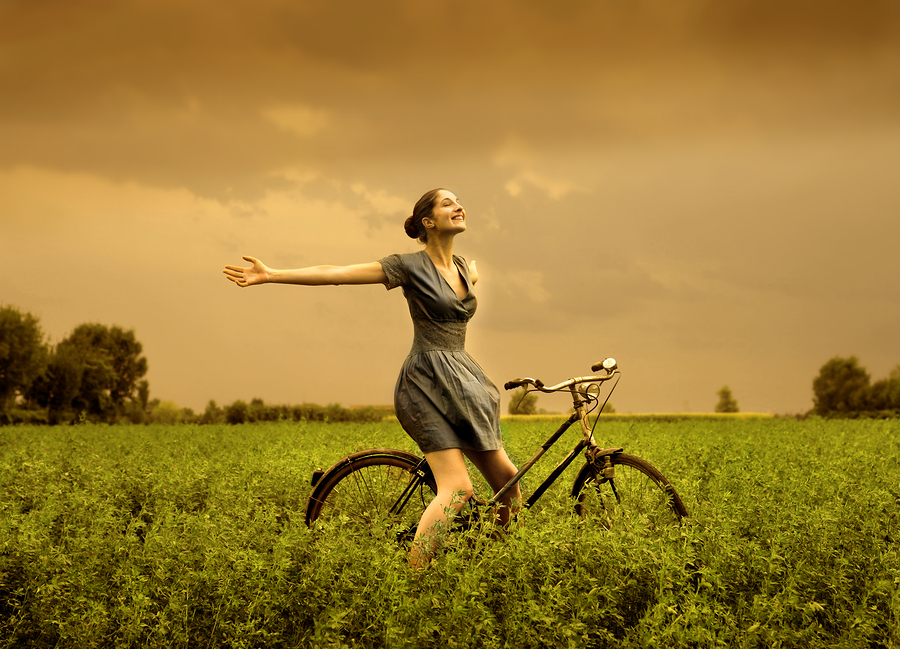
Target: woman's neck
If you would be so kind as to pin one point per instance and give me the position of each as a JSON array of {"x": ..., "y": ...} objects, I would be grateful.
[{"x": 441, "y": 252}]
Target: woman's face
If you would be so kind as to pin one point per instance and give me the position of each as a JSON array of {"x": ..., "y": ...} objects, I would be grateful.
[{"x": 448, "y": 214}]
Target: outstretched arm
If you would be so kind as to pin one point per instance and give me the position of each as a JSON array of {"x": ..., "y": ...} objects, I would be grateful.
[{"x": 259, "y": 273}]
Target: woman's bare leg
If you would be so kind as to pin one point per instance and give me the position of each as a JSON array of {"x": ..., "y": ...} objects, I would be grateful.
[
  {"x": 497, "y": 469},
  {"x": 454, "y": 488}
]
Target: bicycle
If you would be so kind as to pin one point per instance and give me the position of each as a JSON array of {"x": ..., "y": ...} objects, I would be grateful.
[{"x": 390, "y": 488}]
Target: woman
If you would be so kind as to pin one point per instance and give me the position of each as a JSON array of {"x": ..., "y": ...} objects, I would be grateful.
[{"x": 443, "y": 398}]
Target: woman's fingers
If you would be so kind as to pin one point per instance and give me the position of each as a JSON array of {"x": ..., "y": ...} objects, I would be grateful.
[
  {"x": 244, "y": 276},
  {"x": 236, "y": 274}
]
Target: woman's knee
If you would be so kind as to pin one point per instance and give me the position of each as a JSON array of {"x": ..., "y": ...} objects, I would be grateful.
[
  {"x": 450, "y": 473},
  {"x": 459, "y": 491}
]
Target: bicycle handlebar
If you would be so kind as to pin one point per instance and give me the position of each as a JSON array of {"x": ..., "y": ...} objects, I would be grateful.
[{"x": 609, "y": 365}]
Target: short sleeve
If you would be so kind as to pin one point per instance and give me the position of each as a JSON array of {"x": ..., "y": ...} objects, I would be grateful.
[{"x": 395, "y": 270}]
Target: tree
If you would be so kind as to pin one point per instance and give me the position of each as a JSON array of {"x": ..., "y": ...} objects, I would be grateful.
[
  {"x": 213, "y": 414},
  {"x": 885, "y": 394},
  {"x": 841, "y": 387},
  {"x": 523, "y": 403},
  {"x": 23, "y": 354},
  {"x": 59, "y": 384},
  {"x": 236, "y": 413},
  {"x": 727, "y": 402},
  {"x": 97, "y": 369}
]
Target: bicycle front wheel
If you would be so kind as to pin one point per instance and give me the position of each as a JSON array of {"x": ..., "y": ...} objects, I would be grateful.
[
  {"x": 634, "y": 490},
  {"x": 373, "y": 491}
]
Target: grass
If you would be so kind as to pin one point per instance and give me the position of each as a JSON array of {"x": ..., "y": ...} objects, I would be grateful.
[{"x": 193, "y": 536}]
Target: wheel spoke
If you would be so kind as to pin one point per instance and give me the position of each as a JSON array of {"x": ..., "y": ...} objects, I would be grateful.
[
  {"x": 361, "y": 493},
  {"x": 637, "y": 491}
]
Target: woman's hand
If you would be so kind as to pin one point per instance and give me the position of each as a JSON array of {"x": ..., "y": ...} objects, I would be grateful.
[{"x": 258, "y": 273}]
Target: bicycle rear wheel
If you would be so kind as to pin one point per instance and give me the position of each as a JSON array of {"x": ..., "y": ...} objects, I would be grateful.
[
  {"x": 373, "y": 491},
  {"x": 636, "y": 490}
]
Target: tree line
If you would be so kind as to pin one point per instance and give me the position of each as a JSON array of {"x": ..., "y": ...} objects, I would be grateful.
[
  {"x": 844, "y": 388},
  {"x": 97, "y": 374},
  {"x": 240, "y": 412}
]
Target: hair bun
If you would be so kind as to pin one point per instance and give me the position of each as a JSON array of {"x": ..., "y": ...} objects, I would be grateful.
[
  {"x": 410, "y": 226},
  {"x": 424, "y": 208}
]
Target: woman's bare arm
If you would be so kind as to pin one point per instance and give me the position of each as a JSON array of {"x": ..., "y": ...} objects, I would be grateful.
[{"x": 259, "y": 273}]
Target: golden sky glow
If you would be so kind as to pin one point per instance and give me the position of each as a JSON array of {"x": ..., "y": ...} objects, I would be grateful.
[{"x": 705, "y": 190}]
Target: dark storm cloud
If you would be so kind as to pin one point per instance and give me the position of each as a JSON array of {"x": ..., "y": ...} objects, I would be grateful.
[{"x": 176, "y": 94}]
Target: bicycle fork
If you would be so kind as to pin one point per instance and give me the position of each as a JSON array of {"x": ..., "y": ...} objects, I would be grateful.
[{"x": 600, "y": 461}]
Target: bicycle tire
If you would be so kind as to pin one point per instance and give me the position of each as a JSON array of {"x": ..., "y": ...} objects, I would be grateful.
[
  {"x": 359, "y": 491},
  {"x": 638, "y": 490}
]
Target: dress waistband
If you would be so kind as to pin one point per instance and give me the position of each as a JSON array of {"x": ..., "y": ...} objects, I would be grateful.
[{"x": 430, "y": 334}]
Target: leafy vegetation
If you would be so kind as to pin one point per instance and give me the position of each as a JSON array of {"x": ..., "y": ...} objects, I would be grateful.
[
  {"x": 187, "y": 536},
  {"x": 727, "y": 402},
  {"x": 95, "y": 373},
  {"x": 22, "y": 354},
  {"x": 843, "y": 388}
]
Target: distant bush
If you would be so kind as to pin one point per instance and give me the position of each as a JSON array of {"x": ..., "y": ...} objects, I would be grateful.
[
  {"x": 236, "y": 413},
  {"x": 167, "y": 412},
  {"x": 522, "y": 402},
  {"x": 213, "y": 414},
  {"x": 727, "y": 403},
  {"x": 20, "y": 416},
  {"x": 843, "y": 388},
  {"x": 240, "y": 412}
]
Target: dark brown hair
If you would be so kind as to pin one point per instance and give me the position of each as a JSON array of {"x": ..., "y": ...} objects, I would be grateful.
[{"x": 424, "y": 208}]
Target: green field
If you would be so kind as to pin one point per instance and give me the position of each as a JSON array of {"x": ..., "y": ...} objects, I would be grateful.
[{"x": 193, "y": 536}]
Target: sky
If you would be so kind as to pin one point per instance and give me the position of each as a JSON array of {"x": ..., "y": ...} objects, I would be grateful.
[{"x": 704, "y": 190}]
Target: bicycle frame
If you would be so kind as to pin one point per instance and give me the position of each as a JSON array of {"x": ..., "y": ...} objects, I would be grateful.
[
  {"x": 580, "y": 414},
  {"x": 586, "y": 441}
]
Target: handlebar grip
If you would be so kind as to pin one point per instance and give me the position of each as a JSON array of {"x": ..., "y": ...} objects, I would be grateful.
[
  {"x": 608, "y": 364},
  {"x": 520, "y": 383}
]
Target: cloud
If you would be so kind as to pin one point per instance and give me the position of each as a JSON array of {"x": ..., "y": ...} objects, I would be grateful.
[
  {"x": 554, "y": 188},
  {"x": 519, "y": 154},
  {"x": 381, "y": 201},
  {"x": 298, "y": 119},
  {"x": 528, "y": 285}
]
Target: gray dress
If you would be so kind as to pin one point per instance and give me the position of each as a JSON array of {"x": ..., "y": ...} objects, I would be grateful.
[{"x": 443, "y": 398}]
